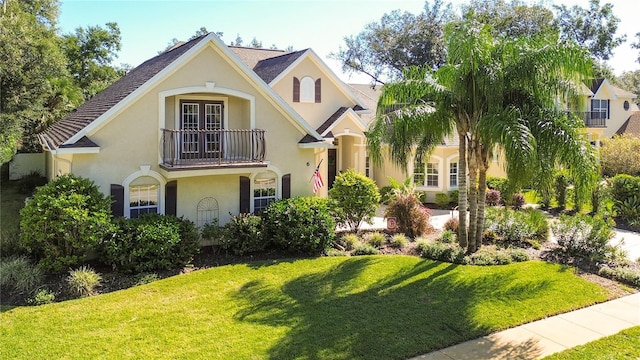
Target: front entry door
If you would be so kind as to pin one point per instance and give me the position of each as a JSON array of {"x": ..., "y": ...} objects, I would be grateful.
[{"x": 332, "y": 167}]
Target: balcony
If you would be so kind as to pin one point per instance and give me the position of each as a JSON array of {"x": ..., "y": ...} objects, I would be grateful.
[
  {"x": 593, "y": 119},
  {"x": 189, "y": 149}
]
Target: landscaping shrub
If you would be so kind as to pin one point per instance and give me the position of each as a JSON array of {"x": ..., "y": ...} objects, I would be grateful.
[
  {"x": 349, "y": 241},
  {"x": 624, "y": 187},
  {"x": 518, "y": 255},
  {"x": 386, "y": 194},
  {"x": 151, "y": 242},
  {"x": 489, "y": 256},
  {"x": 17, "y": 273},
  {"x": 448, "y": 236},
  {"x": 28, "y": 183},
  {"x": 500, "y": 184},
  {"x": 619, "y": 155},
  {"x": 515, "y": 227},
  {"x": 243, "y": 234},
  {"x": 627, "y": 275},
  {"x": 10, "y": 243},
  {"x": 63, "y": 221},
  {"x": 442, "y": 200},
  {"x": 212, "y": 232},
  {"x": 302, "y": 225},
  {"x": 453, "y": 197},
  {"x": 583, "y": 238},
  {"x": 365, "y": 249},
  {"x": 453, "y": 224},
  {"x": 560, "y": 184},
  {"x": 493, "y": 197},
  {"x": 440, "y": 251},
  {"x": 376, "y": 239},
  {"x": 398, "y": 241},
  {"x": 42, "y": 297},
  {"x": 517, "y": 201},
  {"x": 629, "y": 211},
  {"x": 83, "y": 281},
  {"x": 412, "y": 218},
  {"x": 356, "y": 198}
]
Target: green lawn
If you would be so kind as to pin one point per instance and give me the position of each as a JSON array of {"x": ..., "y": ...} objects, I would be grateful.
[
  {"x": 623, "y": 345},
  {"x": 377, "y": 307}
]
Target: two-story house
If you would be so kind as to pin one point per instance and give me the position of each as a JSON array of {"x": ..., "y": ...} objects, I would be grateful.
[{"x": 207, "y": 131}]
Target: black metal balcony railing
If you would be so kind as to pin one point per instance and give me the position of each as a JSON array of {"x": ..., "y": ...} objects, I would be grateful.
[
  {"x": 203, "y": 148},
  {"x": 593, "y": 119}
]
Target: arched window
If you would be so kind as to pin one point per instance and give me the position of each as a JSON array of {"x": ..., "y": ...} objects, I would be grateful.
[
  {"x": 264, "y": 191},
  {"x": 144, "y": 196},
  {"x": 307, "y": 89}
]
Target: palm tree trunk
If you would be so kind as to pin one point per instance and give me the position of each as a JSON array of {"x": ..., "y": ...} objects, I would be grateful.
[
  {"x": 482, "y": 199},
  {"x": 473, "y": 199},
  {"x": 463, "y": 238}
]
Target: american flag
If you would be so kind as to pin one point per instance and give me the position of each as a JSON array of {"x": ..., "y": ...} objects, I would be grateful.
[{"x": 317, "y": 180}]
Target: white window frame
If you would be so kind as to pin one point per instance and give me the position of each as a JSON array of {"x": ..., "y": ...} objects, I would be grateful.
[
  {"x": 601, "y": 108},
  {"x": 144, "y": 171},
  {"x": 431, "y": 172},
  {"x": 453, "y": 175},
  {"x": 144, "y": 191},
  {"x": 307, "y": 90},
  {"x": 419, "y": 170},
  {"x": 185, "y": 99}
]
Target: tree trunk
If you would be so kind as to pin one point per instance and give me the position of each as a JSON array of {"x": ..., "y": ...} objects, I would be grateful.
[
  {"x": 482, "y": 197},
  {"x": 463, "y": 238},
  {"x": 473, "y": 198}
]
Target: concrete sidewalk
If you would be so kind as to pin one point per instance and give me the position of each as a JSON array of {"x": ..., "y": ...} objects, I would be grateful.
[{"x": 545, "y": 337}]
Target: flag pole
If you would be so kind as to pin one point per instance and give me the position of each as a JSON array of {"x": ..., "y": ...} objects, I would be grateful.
[{"x": 317, "y": 168}]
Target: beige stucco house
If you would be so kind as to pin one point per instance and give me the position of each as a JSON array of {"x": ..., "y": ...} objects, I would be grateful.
[
  {"x": 207, "y": 131},
  {"x": 607, "y": 110}
]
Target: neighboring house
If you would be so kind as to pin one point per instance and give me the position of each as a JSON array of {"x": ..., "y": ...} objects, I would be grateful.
[
  {"x": 208, "y": 131},
  {"x": 608, "y": 110}
]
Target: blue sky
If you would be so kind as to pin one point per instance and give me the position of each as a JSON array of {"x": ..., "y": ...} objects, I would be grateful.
[{"x": 147, "y": 26}]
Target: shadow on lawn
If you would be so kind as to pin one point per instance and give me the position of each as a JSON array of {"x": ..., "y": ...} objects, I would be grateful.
[{"x": 344, "y": 314}]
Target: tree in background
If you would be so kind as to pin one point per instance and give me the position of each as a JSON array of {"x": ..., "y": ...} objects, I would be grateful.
[
  {"x": 630, "y": 81},
  {"x": 44, "y": 75},
  {"x": 90, "y": 53},
  {"x": 34, "y": 77},
  {"x": 512, "y": 19},
  {"x": 594, "y": 28},
  {"x": 399, "y": 40},
  {"x": 619, "y": 155}
]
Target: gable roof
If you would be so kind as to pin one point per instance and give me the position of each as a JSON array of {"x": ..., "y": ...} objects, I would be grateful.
[
  {"x": 75, "y": 125},
  {"x": 631, "y": 126},
  {"x": 617, "y": 92},
  {"x": 61, "y": 131},
  {"x": 252, "y": 56},
  {"x": 269, "y": 69}
]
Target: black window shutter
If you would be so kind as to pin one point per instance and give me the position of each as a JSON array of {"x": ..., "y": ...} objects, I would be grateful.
[
  {"x": 608, "y": 109},
  {"x": 286, "y": 186},
  {"x": 171, "y": 198},
  {"x": 245, "y": 195},
  {"x": 296, "y": 89},
  {"x": 117, "y": 194},
  {"x": 318, "y": 91},
  {"x": 592, "y": 104}
]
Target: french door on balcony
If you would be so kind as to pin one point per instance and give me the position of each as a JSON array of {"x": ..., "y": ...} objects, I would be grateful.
[{"x": 201, "y": 122}]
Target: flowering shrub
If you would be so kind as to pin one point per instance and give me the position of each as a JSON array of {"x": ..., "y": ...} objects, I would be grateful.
[{"x": 583, "y": 238}]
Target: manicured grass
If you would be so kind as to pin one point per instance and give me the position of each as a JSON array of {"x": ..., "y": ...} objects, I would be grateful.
[
  {"x": 623, "y": 345},
  {"x": 371, "y": 307}
]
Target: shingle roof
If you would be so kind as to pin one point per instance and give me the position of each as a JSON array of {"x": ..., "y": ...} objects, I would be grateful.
[
  {"x": 269, "y": 69},
  {"x": 93, "y": 108},
  {"x": 631, "y": 126},
  {"x": 252, "y": 56},
  {"x": 332, "y": 119},
  {"x": 595, "y": 85}
]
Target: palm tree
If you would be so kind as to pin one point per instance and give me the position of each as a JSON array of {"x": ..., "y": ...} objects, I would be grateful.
[{"x": 495, "y": 93}]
